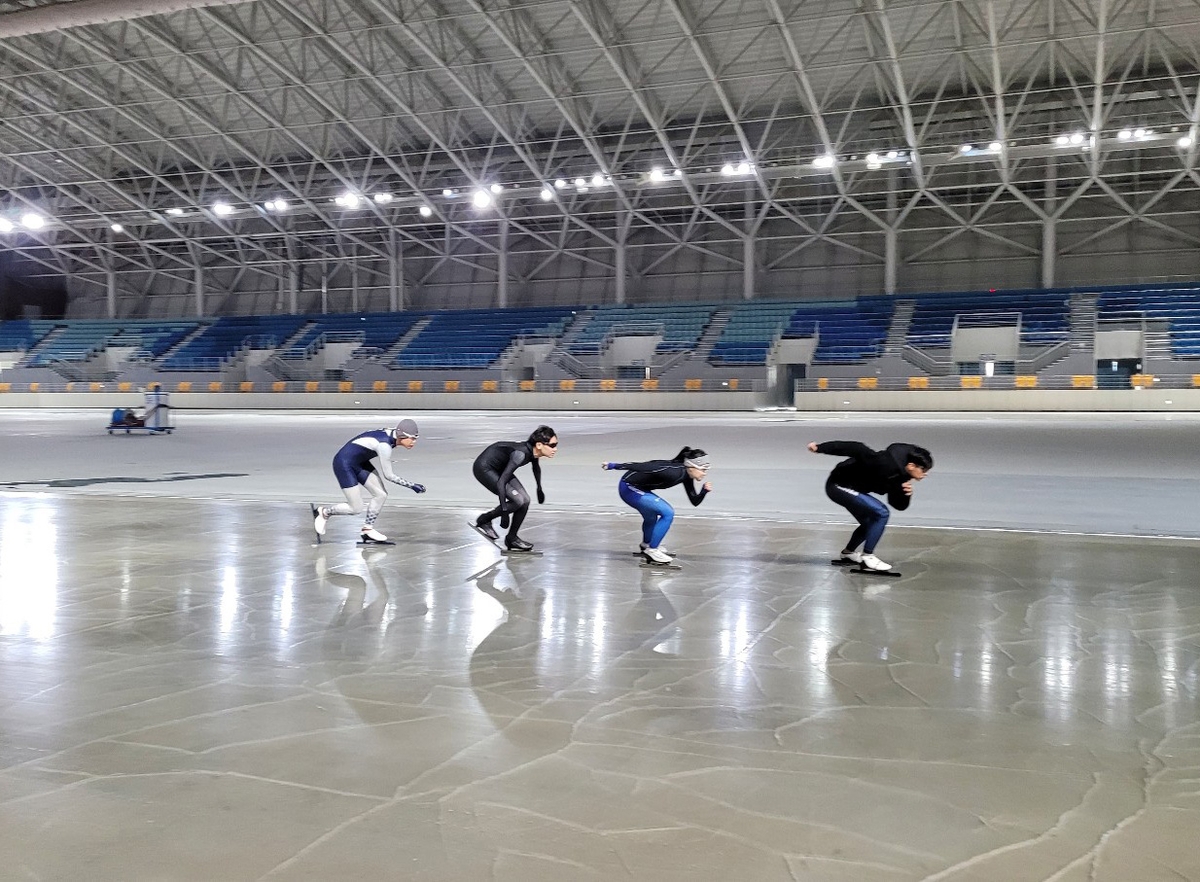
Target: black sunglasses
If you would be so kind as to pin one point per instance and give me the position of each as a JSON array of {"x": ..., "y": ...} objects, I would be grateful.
[{"x": 550, "y": 443}]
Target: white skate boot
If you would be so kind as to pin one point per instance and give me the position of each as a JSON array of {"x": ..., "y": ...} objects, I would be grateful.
[
  {"x": 642, "y": 547},
  {"x": 871, "y": 562},
  {"x": 853, "y": 556},
  {"x": 320, "y": 518},
  {"x": 371, "y": 536},
  {"x": 657, "y": 555}
]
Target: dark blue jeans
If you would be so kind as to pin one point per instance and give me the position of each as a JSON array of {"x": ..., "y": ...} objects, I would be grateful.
[{"x": 871, "y": 514}]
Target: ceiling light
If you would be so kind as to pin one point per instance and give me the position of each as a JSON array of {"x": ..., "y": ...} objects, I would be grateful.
[
  {"x": 678, "y": 173},
  {"x": 1125, "y": 134},
  {"x": 1185, "y": 141},
  {"x": 496, "y": 188},
  {"x": 656, "y": 174},
  {"x": 175, "y": 212},
  {"x": 482, "y": 199},
  {"x": 222, "y": 209},
  {"x": 744, "y": 168},
  {"x": 33, "y": 221},
  {"x": 447, "y": 192},
  {"x": 995, "y": 147},
  {"x": 383, "y": 198},
  {"x": 727, "y": 169},
  {"x": 598, "y": 180},
  {"x": 6, "y": 226},
  {"x": 425, "y": 211},
  {"x": 1076, "y": 138},
  {"x": 547, "y": 194},
  {"x": 893, "y": 154},
  {"x": 117, "y": 228},
  {"x": 580, "y": 184},
  {"x": 559, "y": 184},
  {"x": 966, "y": 148},
  {"x": 825, "y": 160},
  {"x": 1140, "y": 133}
]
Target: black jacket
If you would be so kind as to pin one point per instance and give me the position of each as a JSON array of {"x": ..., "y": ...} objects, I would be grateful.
[
  {"x": 661, "y": 474},
  {"x": 871, "y": 471}
]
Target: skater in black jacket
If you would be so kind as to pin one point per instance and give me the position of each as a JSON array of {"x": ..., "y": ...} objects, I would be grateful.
[
  {"x": 496, "y": 468},
  {"x": 637, "y": 489},
  {"x": 888, "y": 472}
]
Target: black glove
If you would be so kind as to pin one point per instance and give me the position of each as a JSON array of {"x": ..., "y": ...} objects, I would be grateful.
[
  {"x": 417, "y": 488},
  {"x": 541, "y": 497},
  {"x": 504, "y": 520}
]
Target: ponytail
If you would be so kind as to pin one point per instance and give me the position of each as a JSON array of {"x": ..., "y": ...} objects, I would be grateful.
[{"x": 688, "y": 453}]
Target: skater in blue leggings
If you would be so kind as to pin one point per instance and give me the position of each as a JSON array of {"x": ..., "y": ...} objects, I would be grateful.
[
  {"x": 865, "y": 471},
  {"x": 637, "y": 488}
]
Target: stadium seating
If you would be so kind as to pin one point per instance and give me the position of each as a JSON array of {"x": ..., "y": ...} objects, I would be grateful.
[
  {"x": 20, "y": 335},
  {"x": 1178, "y": 306},
  {"x": 475, "y": 338},
  {"x": 81, "y": 338},
  {"x": 1045, "y": 315},
  {"x": 847, "y": 334},
  {"x": 374, "y": 330},
  {"x": 751, "y": 331},
  {"x": 680, "y": 324},
  {"x": 227, "y": 335}
]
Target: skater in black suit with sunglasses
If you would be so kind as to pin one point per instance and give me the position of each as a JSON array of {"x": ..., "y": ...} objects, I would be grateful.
[{"x": 496, "y": 468}]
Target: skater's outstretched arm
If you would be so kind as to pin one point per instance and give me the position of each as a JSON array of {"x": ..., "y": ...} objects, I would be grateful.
[
  {"x": 383, "y": 452},
  {"x": 851, "y": 449}
]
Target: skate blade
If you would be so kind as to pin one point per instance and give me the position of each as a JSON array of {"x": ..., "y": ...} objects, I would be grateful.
[
  {"x": 660, "y": 567},
  {"x": 474, "y": 526},
  {"x": 863, "y": 571},
  {"x": 508, "y": 552},
  {"x": 639, "y": 554},
  {"x": 842, "y": 562},
  {"x": 373, "y": 544},
  {"x": 313, "y": 509}
]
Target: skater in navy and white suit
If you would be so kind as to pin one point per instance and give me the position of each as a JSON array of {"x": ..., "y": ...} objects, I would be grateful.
[
  {"x": 637, "y": 490},
  {"x": 354, "y": 467},
  {"x": 865, "y": 471}
]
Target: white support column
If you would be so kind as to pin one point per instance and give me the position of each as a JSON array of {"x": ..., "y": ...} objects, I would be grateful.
[
  {"x": 620, "y": 255},
  {"x": 395, "y": 272},
  {"x": 502, "y": 265},
  {"x": 293, "y": 278},
  {"x": 198, "y": 285},
  {"x": 354, "y": 284},
  {"x": 110, "y": 290},
  {"x": 1049, "y": 225},
  {"x": 749, "y": 246},
  {"x": 891, "y": 237},
  {"x": 324, "y": 287}
]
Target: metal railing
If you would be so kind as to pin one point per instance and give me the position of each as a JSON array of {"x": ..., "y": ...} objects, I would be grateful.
[
  {"x": 1078, "y": 382},
  {"x": 448, "y": 384}
]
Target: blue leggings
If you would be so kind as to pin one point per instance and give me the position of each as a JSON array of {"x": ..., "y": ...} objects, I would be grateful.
[
  {"x": 871, "y": 514},
  {"x": 656, "y": 512}
]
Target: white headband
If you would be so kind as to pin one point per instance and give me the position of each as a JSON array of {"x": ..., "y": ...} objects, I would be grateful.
[{"x": 702, "y": 464}]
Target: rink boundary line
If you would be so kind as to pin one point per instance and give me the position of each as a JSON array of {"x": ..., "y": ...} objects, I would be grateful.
[{"x": 58, "y": 494}]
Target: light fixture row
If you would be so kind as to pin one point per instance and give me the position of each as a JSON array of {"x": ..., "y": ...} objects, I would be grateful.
[{"x": 484, "y": 198}]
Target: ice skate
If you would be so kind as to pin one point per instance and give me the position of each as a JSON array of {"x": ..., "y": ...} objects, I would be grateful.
[
  {"x": 320, "y": 520},
  {"x": 484, "y": 530},
  {"x": 873, "y": 566},
  {"x": 848, "y": 559},
  {"x": 655, "y": 558},
  {"x": 515, "y": 545},
  {"x": 642, "y": 546},
  {"x": 371, "y": 536},
  {"x": 871, "y": 562}
]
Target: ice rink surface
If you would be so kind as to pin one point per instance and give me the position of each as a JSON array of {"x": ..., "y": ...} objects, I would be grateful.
[
  {"x": 1097, "y": 474},
  {"x": 191, "y": 689}
]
